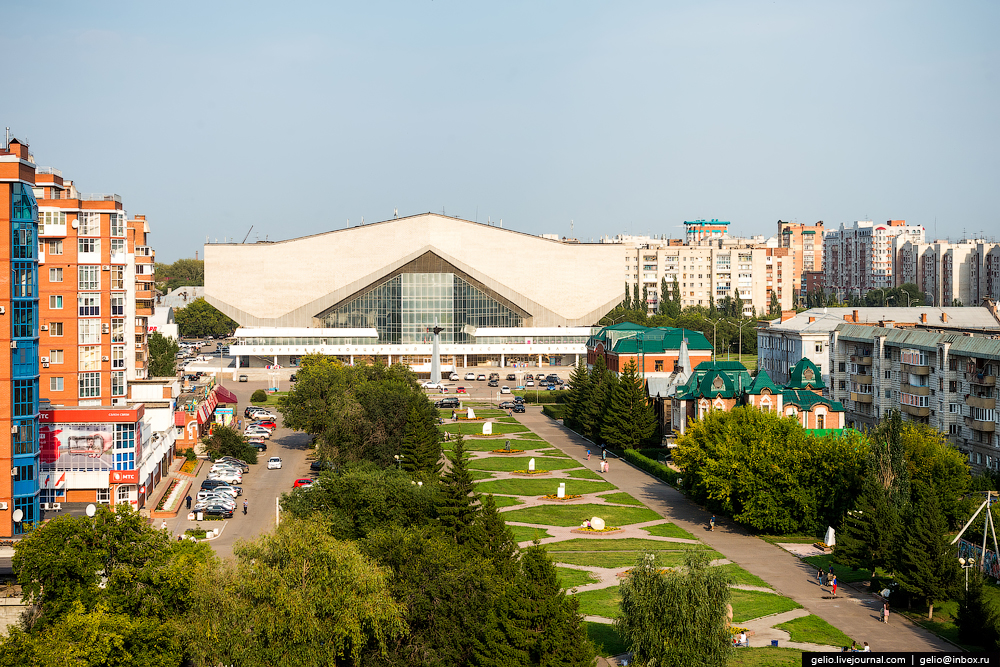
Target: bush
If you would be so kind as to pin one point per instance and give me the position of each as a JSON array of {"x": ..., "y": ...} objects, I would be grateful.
[
  {"x": 539, "y": 397},
  {"x": 654, "y": 468},
  {"x": 227, "y": 441},
  {"x": 554, "y": 411},
  {"x": 259, "y": 396}
]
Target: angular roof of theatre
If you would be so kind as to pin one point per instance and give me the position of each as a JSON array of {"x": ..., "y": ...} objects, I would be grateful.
[{"x": 546, "y": 282}]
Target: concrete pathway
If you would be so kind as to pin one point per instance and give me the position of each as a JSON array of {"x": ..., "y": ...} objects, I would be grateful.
[{"x": 853, "y": 612}]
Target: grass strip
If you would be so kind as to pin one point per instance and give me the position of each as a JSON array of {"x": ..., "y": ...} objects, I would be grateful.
[
  {"x": 605, "y": 639},
  {"x": 765, "y": 656},
  {"x": 741, "y": 576},
  {"x": 480, "y": 474},
  {"x": 570, "y": 578},
  {"x": 748, "y": 605},
  {"x": 845, "y": 575},
  {"x": 538, "y": 487},
  {"x": 621, "y": 498},
  {"x": 574, "y": 515},
  {"x": 668, "y": 530},
  {"x": 602, "y": 602},
  {"x": 622, "y": 559},
  {"x": 508, "y": 463},
  {"x": 584, "y": 473},
  {"x": 528, "y": 533},
  {"x": 623, "y": 544},
  {"x": 476, "y": 428},
  {"x": 506, "y": 501},
  {"x": 814, "y": 630}
]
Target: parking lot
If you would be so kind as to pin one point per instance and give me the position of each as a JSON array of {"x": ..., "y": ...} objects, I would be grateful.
[{"x": 479, "y": 390}]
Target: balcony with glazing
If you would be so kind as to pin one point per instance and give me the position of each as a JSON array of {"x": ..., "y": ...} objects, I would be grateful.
[
  {"x": 981, "y": 379},
  {"x": 914, "y": 370},
  {"x": 915, "y": 411},
  {"x": 981, "y": 426}
]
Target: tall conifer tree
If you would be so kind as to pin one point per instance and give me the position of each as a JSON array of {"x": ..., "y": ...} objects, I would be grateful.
[
  {"x": 629, "y": 419},
  {"x": 457, "y": 508}
]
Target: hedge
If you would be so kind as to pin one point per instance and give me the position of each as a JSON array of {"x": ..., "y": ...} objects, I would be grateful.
[
  {"x": 554, "y": 411},
  {"x": 658, "y": 470}
]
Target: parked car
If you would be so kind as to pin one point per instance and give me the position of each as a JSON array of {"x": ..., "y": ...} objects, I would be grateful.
[
  {"x": 214, "y": 499},
  {"x": 529, "y": 376},
  {"x": 450, "y": 402},
  {"x": 258, "y": 443},
  {"x": 505, "y": 389},
  {"x": 481, "y": 377},
  {"x": 529, "y": 383},
  {"x": 551, "y": 387},
  {"x": 470, "y": 376},
  {"x": 257, "y": 432},
  {"x": 455, "y": 377},
  {"x": 511, "y": 377},
  {"x": 218, "y": 510},
  {"x": 274, "y": 463},
  {"x": 461, "y": 390},
  {"x": 233, "y": 459},
  {"x": 430, "y": 384},
  {"x": 221, "y": 468},
  {"x": 264, "y": 414},
  {"x": 493, "y": 383},
  {"x": 507, "y": 405},
  {"x": 232, "y": 490},
  {"x": 293, "y": 378},
  {"x": 212, "y": 484},
  {"x": 519, "y": 407},
  {"x": 264, "y": 423},
  {"x": 519, "y": 399},
  {"x": 302, "y": 481},
  {"x": 543, "y": 383},
  {"x": 317, "y": 466},
  {"x": 230, "y": 477}
]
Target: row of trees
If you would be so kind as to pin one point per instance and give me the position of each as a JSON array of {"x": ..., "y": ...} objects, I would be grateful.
[
  {"x": 182, "y": 272},
  {"x": 200, "y": 318},
  {"x": 610, "y": 408}
]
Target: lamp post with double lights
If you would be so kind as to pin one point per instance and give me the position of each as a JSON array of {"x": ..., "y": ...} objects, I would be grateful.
[
  {"x": 967, "y": 564},
  {"x": 399, "y": 460}
]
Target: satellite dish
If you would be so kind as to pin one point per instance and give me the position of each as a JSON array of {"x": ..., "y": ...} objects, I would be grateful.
[
  {"x": 91, "y": 509},
  {"x": 18, "y": 515}
]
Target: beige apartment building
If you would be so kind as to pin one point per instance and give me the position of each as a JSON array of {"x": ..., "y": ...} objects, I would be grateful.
[
  {"x": 944, "y": 380},
  {"x": 862, "y": 257},
  {"x": 805, "y": 245}
]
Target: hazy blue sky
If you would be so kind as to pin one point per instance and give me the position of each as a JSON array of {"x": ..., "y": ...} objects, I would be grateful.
[{"x": 624, "y": 117}]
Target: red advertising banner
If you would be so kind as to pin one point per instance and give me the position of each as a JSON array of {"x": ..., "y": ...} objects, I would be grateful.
[
  {"x": 97, "y": 415},
  {"x": 123, "y": 477}
]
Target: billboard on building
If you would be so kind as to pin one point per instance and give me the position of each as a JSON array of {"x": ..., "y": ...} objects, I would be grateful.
[{"x": 77, "y": 446}]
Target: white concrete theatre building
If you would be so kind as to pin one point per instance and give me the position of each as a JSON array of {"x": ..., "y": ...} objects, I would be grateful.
[{"x": 376, "y": 291}]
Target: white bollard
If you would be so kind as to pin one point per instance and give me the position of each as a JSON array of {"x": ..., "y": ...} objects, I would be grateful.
[
  {"x": 531, "y": 465},
  {"x": 561, "y": 493}
]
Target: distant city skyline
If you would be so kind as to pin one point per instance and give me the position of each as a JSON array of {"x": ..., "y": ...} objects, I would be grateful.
[{"x": 212, "y": 118}]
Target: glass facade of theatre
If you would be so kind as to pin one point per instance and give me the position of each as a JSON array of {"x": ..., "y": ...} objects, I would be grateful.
[
  {"x": 24, "y": 353},
  {"x": 406, "y": 307}
]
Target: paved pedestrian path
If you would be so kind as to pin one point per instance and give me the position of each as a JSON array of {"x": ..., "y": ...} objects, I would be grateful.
[{"x": 853, "y": 612}]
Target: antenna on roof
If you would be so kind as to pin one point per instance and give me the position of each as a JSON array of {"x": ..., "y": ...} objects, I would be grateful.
[
  {"x": 248, "y": 234},
  {"x": 395, "y": 213}
]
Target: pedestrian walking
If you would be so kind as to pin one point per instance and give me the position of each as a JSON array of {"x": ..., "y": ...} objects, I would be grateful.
[
  {"x": 819, "y": 577},
  {"x": 711, "y": 524},
  {"x": 189, "y": 502},
  {"x": 607, "y": 466},
  {"x": 163, "y": 526},
  {"x": 885, "y": 613},
  {"x": 604, "y": 453},
  {"x": 834, "y": 586},
  {"x": 244, "y": 508},
  {"x": 588, "y": 454}
]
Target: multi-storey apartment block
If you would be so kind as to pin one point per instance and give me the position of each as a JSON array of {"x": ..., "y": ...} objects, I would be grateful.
[
  {"x": 19, "y": 450},
  {"x": 944, "y": 271},
  {"x": 805, "y": 245},
  {"x": 94, "y": 300},
  {"x": 701, "y": 231},
  {"x": 712, "y": 271},
  {"x": 862, "y": 257},
  {"x": 945, "y": 380}
]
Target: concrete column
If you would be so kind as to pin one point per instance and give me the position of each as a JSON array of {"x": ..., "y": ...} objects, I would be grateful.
[
  {"x": 237, "y": 362},
  {"x": 352, "y": 359},
  {"x": 501, "y": 360},
  {"x": 390, "y": 360},
  {"x": 539, "y": 361},
  {"x": 466, "y": 360},
  {"x": 577, "y": 362},
  {"x": 275, "y": 360}
]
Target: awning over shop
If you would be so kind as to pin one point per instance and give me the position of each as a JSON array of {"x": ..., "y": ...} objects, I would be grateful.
[
  {"x": 224, "y": 395},
  {"x": 180, "y": 419}
]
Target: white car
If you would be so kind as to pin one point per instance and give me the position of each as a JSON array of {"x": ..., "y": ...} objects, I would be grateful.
[
  {"x": 228, "y": 477},
  {"x": 257, "y": 432},
  {"x": 264, "y": 414},
  {"x": 431, "y": 385},
  {"x": 505, "y": 389},
  {"x": 230, "y": 490},
  {"x": 455, "y": 377},
  {"x": 274, "y": 463},
  {"x": 529, "y": 383},
  {"x": 470, "y": 376},
  {"x": 225, "y": 468}
]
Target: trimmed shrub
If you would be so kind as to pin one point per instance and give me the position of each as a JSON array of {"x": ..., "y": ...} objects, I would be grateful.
[
  {"x": 259, "y": 396},
  {"x": 655, "y": 469},
  {"x": 554, "y": 411}
]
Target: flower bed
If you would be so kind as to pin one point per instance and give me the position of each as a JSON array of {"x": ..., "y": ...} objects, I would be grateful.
[
  {"x": 507, "y": 451},
  {"x": 197, "y": 532},
  {"x": 166, "y": 495},
  {"x": 569, "y": 496},
  {"x": 529, "y": 473},
  {"x": 190, "y": 468},
  {"x": 171, "y": 499},
  {"x": 591, "y": 531}
]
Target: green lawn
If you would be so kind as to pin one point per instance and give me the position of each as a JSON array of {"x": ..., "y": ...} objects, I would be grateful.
[
  {"x": 748, "y": 605},
  {"x": 766, "y": 656},
  {"x": 741, "y": 576},
  {"x": 521, "y": 463},
  {"x": 527, "y": 533},
  {"x": 272, "y": 399},
  {"x": 668, "y": 530},
  {"x": 845, "y": 575},
  {"x": 570, "y": 578},
  {"x": 481, "y": 413},
  {"x": 504, "y": 501},
  {"x": 551, "y": 452},
  {"x": 479, "y": 445},
  {"x": 479, "y": 474},
  {"x": 622, "y": 559},
  {"x": 476, "y": 428},
  {"x": 602, "y": 602},
  {"x": 605, "y": 638},
  {"x": 531, "y": 435},
  {"x": 537, "y": 487},
  {"x": 584, "y": 473},
  {"x": 621, "y": 498},
  {"x": 574, "y": 515},
  {"x": 814, "y": 630},
  {"x": 624, "y": 544}
]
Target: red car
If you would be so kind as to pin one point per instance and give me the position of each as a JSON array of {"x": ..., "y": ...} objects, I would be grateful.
[
  {"x": 267, "y": 423},
  {"x": 460, "y": 390},
  {"x": 305, "y": 481}
]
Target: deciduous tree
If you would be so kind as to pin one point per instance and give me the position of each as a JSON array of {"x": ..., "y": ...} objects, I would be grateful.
[
  {"x": 162, "y": 355},
  {"x": 200, "y": 318}
]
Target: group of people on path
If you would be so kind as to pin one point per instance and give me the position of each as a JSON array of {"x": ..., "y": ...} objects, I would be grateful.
[{"x": 605, "y": 465}]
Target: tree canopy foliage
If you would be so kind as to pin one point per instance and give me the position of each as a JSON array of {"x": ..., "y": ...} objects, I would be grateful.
[
  {"x": 182, "y": 272},
  {"x": 200, "y": 318},
  {"x": 729, "y": 458},
  {"x": 162, "y": 355}
]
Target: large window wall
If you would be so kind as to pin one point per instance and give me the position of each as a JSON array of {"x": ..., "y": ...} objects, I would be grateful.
[{"x": 405, "y": 308}]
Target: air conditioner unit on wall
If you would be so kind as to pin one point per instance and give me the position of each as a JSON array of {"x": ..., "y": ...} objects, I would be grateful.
[
  {"x": 45, "y": 365},
  {"x": 44, "y": 360},
  {"x": 106, "y": 267},
  {"x": 106, "y": 328},
  {"x": 45, "y": 327},
  {"x": 105, "y": 358}
]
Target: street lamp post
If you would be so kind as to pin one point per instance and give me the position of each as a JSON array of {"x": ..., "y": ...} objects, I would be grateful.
[
  {"x": 399, "y": 460},
  {"x": 967, "y": 564},
  {"x": 715, "y": 324}
]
